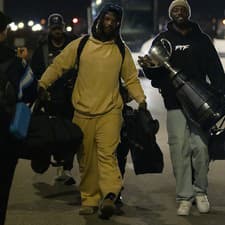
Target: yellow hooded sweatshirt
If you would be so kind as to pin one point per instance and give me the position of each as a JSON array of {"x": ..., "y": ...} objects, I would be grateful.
[{"x": 96, "y": 90}]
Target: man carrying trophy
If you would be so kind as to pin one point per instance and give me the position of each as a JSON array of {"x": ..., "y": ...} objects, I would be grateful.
[{"x": 181, "y": 58}]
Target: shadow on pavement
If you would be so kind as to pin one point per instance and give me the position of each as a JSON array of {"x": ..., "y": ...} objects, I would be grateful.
[
  {"x": 58, "y": 191},
  {"x": 133, "y": 215}
]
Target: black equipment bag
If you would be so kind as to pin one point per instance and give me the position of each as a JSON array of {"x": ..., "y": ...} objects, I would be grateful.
[
  {"x": 145, "y": 152},
  {"x": 216, "y": 144},
  {"x": 49, "y": 135},
  {"x": 201, "y": 103}
]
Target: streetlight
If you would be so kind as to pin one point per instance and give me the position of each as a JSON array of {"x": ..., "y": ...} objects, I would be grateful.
[{"x": 75, "y": 20}]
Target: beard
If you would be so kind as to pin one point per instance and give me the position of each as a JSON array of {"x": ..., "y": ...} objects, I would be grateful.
[
  {"x": 181, "y": 24},
  {"x": 105, "y": 33},
  {"x": 108, "y": 34},
  {"x": 57, "y": 37}
]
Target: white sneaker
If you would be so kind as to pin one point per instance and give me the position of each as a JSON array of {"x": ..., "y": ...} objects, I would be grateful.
[
  {"x": 184, "y": 208},
  {"x": 202, "y": 203}
]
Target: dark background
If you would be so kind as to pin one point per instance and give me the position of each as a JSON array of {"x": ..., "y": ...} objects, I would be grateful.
[
  {"x": 137, "y": 26},
  {"x": 37, "y": 9},
  {"x": 23, "y": 9}
]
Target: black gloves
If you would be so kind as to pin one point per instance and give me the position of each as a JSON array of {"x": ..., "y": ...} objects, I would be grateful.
[
  {"x": 43, "y": 94},
  {"x": 150, "y": 125}
]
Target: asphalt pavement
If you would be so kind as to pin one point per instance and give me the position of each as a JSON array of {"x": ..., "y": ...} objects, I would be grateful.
[{"x": 149, "y": 199}]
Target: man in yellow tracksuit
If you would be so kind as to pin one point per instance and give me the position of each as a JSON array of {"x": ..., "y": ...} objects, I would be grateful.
[{"x": 98, "y": 107}]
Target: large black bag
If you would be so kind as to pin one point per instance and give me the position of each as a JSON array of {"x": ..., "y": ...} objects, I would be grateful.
[
  {"x": 48, "y": 135},
  {"x": 216, "y": 145},
  {"x": 145, "y": 152}
]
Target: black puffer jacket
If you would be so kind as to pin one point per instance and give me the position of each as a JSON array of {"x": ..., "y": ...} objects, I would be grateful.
[{"x": 195, "y": 55}]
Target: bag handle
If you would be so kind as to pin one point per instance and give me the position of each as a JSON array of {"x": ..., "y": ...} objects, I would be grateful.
[
  {"x": 217, "y": 129},
  {"x": 221, "y": 124},
  {"x": 37, "y": 106}
]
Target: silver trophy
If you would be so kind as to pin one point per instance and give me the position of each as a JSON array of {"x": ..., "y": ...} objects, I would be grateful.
[
  {"x": 199, "y": 102},
  {"x": 160, "y": 55}
]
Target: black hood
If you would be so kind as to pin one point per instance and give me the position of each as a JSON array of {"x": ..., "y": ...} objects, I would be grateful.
[
  {"x": 194, "y": 27},
  {"x": 109, "y": 8}
]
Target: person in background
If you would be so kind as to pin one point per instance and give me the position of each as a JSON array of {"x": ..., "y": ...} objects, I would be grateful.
[
  {"x": 12, "y": 69},
  {"x": 60, "y": 93},
  {"x": 193, "y": 52},
  {"x": 98, "y": 107},
  {"x": 22, "y": 52}
]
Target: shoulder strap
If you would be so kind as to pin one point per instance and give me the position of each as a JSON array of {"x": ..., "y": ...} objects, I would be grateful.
[
  {"x": 79, "y": 50},
  {"x": 121, "y": 47}
]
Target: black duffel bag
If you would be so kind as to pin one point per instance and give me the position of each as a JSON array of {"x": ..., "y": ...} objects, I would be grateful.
[
  {"x": 216, "y": 145},
  {"x": 146, "y": 155},
  {"x": 47, "y": 136}
]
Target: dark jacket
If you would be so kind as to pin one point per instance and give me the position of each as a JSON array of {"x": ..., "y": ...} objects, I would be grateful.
[
  {"x": 14, "y": 69},
  {"x": 195, "y": 55},
  {"x": 38, "y": 62},
  {"x": 15, "y": 72},
  {"x": 43, "y": 56}
]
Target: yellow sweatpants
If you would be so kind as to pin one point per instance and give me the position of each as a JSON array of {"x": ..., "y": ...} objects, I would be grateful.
[{"x": 97, "y": 159}]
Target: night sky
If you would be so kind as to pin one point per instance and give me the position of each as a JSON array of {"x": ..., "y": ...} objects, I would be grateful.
[
  {"x": 23, "y": 9},
  {"x": 205, "y": 8},
  {"x": 37, "y": 9}
]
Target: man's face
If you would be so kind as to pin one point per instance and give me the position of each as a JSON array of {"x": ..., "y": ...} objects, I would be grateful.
[
  {"x": 56, "y": 32},
  {"x": 179, "y": 15},
  {"x": 109, "y": 24}
]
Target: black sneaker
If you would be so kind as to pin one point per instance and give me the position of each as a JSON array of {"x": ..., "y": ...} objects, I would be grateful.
[
  {"x": 119, "y": 204},
  {"x": 107, "y": 206},
  {"x": 119, "y": 201}
]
